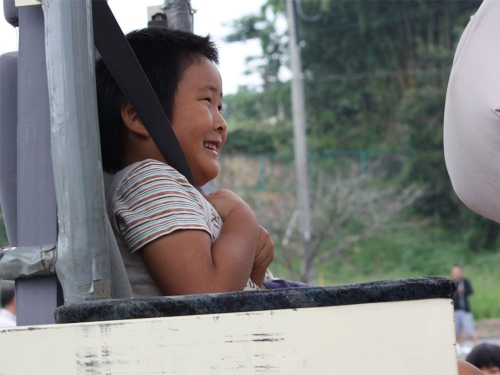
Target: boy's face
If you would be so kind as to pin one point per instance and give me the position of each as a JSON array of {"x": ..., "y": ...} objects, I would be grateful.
[{"x": 197, "y": 119}]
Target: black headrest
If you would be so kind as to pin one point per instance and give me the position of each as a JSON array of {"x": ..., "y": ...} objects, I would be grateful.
[{"x": 10, "y": 12}]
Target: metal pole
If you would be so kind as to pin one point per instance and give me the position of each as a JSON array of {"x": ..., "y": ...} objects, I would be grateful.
[
  {"x": 300, "y": 141},
  {"x": 179, "y": 14},
  {"x": 83, "y": 265}
]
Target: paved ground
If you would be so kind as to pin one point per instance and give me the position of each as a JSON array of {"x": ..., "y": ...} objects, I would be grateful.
[{"x": 488, "y": 328}]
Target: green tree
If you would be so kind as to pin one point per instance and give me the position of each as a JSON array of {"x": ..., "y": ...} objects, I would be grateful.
[
  {"x": 260, "y": 120},
  {"x": 359, "y": 59},
  {"x": 376, "y": 75},
  {"x": 251, "y": 128}
]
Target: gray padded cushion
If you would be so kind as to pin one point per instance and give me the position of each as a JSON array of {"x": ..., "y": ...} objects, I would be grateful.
[
  {"x": 36, "y": 204},
  {"x": 8, "y": 143},
  {"x": 10, "y": 12},
  {"x": 120, "y": 284},
  {"x": 36, "y": 201}
]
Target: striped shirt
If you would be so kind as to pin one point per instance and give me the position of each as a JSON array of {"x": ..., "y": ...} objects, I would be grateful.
[
  {"x": 150, "y": 199},
  {"x": 155, "y": 200}
]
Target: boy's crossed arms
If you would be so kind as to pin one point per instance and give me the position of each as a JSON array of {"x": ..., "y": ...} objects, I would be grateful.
[{"x": 187, "y": 262}]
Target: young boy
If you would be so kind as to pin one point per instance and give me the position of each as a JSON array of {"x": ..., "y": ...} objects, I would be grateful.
[{"x": 173, "y": 240}]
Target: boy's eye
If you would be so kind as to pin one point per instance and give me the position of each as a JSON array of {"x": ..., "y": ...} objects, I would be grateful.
[
  {"x": 208, "y": 100},
  {"x": 220, "y": 108}
]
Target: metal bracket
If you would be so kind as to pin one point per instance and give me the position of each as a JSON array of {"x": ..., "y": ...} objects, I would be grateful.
[{"x": 17, "y": 262}]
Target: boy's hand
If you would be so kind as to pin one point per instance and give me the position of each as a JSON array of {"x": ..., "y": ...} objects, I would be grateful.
[
  {"x": 224, "y": 201},
  {"x": 264, "y": 255}
]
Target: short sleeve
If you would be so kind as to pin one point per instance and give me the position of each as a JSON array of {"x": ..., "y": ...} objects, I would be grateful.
[{"x": 154, "y": 200}]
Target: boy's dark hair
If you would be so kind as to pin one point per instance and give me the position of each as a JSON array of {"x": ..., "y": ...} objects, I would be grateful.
[
  {"x": 7, "y": 295},
  {"x": 485, "y": 355},
  {"x": 164, "y": 55}
]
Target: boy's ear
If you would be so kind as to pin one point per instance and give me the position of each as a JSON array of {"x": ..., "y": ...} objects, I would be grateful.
[{"x": 132, "y": 121}]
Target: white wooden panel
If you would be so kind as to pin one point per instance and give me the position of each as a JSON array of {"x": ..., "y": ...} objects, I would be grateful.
[
  {"x": 414, "y": 337},
  {"x": 25, "y": 3}
]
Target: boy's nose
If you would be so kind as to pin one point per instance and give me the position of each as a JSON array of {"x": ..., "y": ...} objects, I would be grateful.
[{"x": 220, "y": 124}]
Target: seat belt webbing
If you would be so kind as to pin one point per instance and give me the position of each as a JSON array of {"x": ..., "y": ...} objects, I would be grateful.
[{"x": 130, "y": 77}]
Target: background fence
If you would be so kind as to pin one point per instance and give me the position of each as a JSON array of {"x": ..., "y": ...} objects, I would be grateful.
[{"x": 276, "y": 172}]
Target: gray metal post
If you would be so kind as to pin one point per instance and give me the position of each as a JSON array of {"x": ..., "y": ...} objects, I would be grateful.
[
  {"x": 179, "y": 14},
  {"x": 83, "y": 264},
  {"x": 299, "y": 134}
]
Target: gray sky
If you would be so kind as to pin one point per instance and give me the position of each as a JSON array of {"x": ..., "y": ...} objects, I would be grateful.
[{"x": 210, "y": 18}]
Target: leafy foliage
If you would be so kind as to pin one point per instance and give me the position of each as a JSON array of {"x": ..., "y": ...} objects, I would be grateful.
[
  {"x": 376, "y": 74},
  {"x": 258, "y": 121},
  {"x": 257, "y": 141}
]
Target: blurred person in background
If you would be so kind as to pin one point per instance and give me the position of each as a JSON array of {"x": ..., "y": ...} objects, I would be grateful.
[
  {"x": 8, "y": 311},
  {"x": 486, "y": 357},
  {"x": 464, "y": 321}
]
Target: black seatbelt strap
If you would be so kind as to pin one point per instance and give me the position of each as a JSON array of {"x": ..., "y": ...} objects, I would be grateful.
[{"x": 130, "y": 77}]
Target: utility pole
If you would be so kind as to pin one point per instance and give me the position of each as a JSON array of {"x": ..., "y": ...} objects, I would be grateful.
[
  {"x": 179, "y": 14},
  {"x": 300, "y": 141}
]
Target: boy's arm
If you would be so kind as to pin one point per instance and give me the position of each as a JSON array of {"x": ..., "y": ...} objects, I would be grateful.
[{"x": 187, "y": 262}]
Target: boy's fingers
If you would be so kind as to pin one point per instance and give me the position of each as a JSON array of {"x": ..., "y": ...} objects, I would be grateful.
[
  {"x": 266, "y": 260},
  {"x": 265, "y": 249}
]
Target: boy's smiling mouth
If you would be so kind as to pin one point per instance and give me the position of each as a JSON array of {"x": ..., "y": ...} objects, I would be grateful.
[{"x": 211, "y": 146}]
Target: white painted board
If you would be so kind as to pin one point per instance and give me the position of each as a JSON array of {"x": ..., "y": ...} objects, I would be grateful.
[{"x": 412, "y": 337}]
